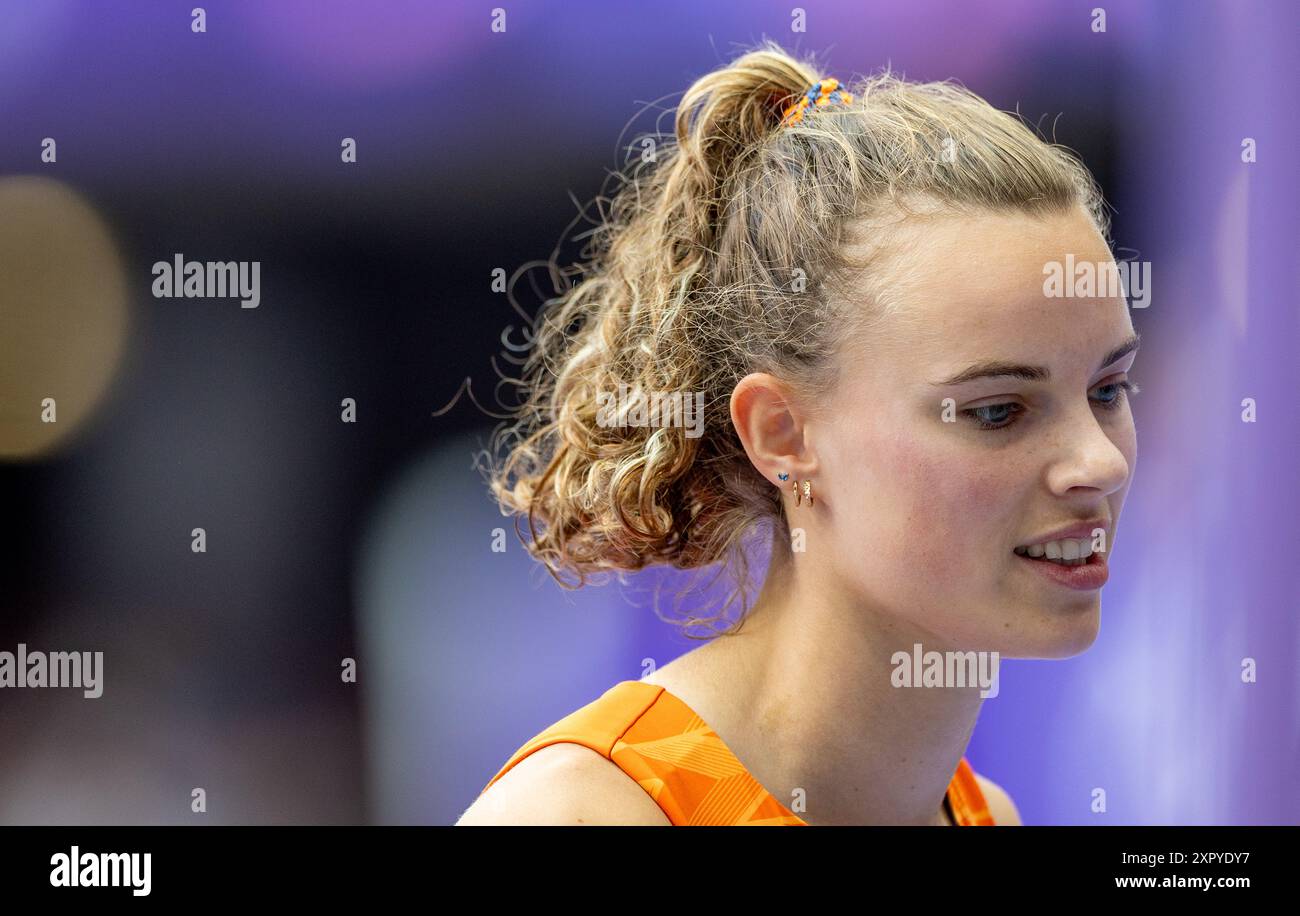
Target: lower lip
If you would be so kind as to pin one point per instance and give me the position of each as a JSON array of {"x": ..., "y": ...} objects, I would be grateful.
[{"x": 1084, "y": 577}]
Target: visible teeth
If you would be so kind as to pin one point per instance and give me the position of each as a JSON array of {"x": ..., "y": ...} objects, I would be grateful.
[{"x": 1066, "y": 551}]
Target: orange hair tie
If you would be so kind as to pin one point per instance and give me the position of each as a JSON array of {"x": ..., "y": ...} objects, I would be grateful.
[{"x": 821, "y": 94}]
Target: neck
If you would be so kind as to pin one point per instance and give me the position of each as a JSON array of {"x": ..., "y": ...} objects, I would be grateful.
[{"x": 803, "y": 696}]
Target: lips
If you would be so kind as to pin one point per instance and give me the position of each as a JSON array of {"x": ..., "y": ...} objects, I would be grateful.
[
  {"x": 1066, "y": 555},
  {"x": 1081, "y": 575}
]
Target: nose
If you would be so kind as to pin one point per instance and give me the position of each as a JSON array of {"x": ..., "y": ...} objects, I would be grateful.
[{"x": 1087, "y": 458}]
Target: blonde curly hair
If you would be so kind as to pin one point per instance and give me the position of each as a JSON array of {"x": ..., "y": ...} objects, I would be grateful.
[{"x": 735, "y": 251}]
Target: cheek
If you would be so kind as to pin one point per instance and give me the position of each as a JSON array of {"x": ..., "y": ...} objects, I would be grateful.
[{"x": 946, "y": 501}]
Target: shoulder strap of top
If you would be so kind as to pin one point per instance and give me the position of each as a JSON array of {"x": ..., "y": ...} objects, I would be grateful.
[
  {"x": 690, "y": 773},
  {"x": 967, "y": 801},
  {"x": 597, "y": 725},
  {"x": 659, "y": 741}
]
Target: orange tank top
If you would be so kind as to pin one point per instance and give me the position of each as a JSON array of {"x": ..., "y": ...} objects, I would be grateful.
[{"x": 659, "y": 741}]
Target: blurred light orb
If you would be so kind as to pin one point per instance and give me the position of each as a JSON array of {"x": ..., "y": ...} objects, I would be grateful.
[{"x": 63, "y": 314}]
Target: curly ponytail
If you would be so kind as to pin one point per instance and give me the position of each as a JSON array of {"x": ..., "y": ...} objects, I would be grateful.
[{"x": 727, "y": 255}]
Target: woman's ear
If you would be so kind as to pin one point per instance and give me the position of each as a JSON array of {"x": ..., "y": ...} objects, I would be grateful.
[{"x": 771, "y": 428}]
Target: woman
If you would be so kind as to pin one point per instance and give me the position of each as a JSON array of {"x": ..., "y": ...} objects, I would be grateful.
[{"x": 936, "y": 445}]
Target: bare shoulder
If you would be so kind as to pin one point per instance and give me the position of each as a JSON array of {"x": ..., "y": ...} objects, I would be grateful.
[
  {"x": 1003, "y": 809},
  {"x": 564, "y": 784}
]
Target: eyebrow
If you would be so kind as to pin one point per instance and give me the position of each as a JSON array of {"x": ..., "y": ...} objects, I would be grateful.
[{"x": 997, "y": 369}]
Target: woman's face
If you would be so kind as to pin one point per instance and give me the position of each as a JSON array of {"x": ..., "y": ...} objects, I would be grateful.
[{"x": 928, "y": 498}]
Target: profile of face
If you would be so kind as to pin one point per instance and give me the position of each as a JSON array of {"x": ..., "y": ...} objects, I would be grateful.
[{"x": 978, "y": 429}]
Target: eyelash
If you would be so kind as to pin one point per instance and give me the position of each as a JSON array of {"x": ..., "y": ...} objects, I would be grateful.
[{"x": 1125, "y": 389}]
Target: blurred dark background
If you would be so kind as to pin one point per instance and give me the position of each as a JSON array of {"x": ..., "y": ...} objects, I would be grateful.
[{"x": 370, "y": 540}]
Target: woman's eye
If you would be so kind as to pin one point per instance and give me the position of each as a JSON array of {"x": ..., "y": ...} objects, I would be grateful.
[
  {"x": 1112, "y": 395},
  {"x": 994, "y": 416}
]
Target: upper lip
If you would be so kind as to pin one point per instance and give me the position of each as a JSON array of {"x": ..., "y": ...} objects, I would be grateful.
[{"x": 1081, "y": 530}]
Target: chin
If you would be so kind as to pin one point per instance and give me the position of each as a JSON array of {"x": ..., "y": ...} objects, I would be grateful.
[{"x": 1061, "y": 632}]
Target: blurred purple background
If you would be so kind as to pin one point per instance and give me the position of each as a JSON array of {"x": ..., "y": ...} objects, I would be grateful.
[{"x": 372, "y": 540}]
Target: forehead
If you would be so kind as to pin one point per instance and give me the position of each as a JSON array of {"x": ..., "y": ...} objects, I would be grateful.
[{"x": 972, "y": 287}]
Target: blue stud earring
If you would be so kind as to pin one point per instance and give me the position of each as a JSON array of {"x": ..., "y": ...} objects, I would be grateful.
[{"x": 783, "y": 476}]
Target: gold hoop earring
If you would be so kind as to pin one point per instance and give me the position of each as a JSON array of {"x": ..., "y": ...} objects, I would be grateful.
[
  {"x": 794, "y": 488},
  {"x": 807, "y": 491}
]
